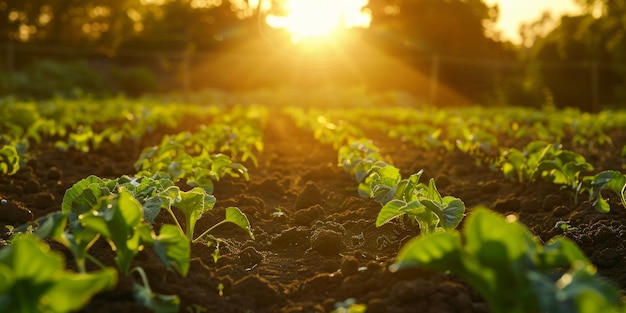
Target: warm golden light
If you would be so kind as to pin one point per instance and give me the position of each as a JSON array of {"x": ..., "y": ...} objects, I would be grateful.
[{"x": 320, "y": 18}]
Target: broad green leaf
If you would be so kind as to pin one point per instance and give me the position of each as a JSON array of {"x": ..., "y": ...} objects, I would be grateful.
[
  {"x": 72, "y": 292},
  {"x": 51, "y": 226},
  {"x": 484, "y": 228},
  {"x": 601, "y": 205},
  {"x": 173, "y": 248},
  {"x": 203, "y": 178},
  {"x": 235, "y": 216},
  {"x": 611, "y": 180},
  {"x": 151, "y": 208},
  {"x": 33, "y": 279},
  {"x": 169, "y": 196},
  {"x": 433, "y": 194},
  {"x": 383, "y": 183},
  {"x": 561, "y": 252},
  {"x": 194, "y": 203},
  {"x": 31, "y": 260},
  {"x": 618, "y": 186},
  {"x": 426, "y": 218},
  {"x": 450, "y": 211},
  {"x": 389, "y": 211},
  {"x": 408, "y": 191},
  {"x": 387, "y": 175},
  {"x": 437, "y": 250},
  {"x": 83, "y": 196},
  {"x": 116, "y": 220}
]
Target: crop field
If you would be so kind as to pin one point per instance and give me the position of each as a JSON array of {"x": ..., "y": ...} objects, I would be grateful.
[{"x": 329, "y": 204}]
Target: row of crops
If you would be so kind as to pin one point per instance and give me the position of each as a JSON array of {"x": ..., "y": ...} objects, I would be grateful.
[
  {"x": 121, "y": 211},
  {"x": 512, "y": 270},
  {"x": 158, "y": 207}
]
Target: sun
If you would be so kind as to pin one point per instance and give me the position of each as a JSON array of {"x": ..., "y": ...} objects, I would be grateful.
[{"x": 305, "y": 19}]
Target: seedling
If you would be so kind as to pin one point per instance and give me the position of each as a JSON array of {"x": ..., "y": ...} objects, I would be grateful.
[
  {"x": 607, "y": 180},
  {"x": 563, "y": 225},
  {"x": 9, "y": 160},
  {"x": 511, "y": 269},
  {"x": 34, "y": 279}
]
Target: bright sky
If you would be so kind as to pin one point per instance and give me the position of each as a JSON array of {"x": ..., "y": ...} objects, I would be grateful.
[{"x": 515, "y": 12}]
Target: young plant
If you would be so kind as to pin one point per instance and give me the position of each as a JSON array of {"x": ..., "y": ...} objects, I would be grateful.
[
  {"x": 607, "y": 180},
  {"x": 358, "y": 157},
  {"x": 201, "y": 170},
  {"x": 422, "y": 203},
  {"x": 149, "y": 196},
  {"x": 9, "y": 160},
  {"x": 523, "y": 164},
  {"x": 511, "y": 269},
  {"x": 34, "y": 279},
  {"x": 546, "y": 161}
]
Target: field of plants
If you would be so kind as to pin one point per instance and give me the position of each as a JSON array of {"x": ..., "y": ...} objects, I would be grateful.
[{"x": 329, "y": 202}]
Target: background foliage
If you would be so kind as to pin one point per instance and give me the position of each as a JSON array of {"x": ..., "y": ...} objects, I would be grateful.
[{"x": 580, "y": 63}]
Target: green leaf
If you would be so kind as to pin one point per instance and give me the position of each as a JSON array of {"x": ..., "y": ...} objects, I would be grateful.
[
  {"x": 83, "y": 196},
  {"x": 384, "y": 183},
  {"x": 151, "y": 208},
  {"x": 235, "y": 216},
  {"x": 37, "y": 282},
  {"x": 203, "y": 178},
  {"x": 194, "y": 203},
  {"x": 73, "y": 292},
  {"x": 409, "y": 188},
  {"x": 9, "y": 160},
  {"x": 450, "y": 211},
  {"x": 486, "y": 231},
  {"x": 51, "y": 226},
  {"x": 389, "y": 211},
  {"x": 562, "y": 252},
  {"x": 116, "y": 220},
  {"x": 437, "y": 250},
  {"x": 610, "y": 180},
  {"x": 173, "y": 248},
  {"x": 432, "y": 193},
  {"x": 169, "y": 196},
  {"x": 7, "y": 280},
  {"x": 31, "y": 260}
]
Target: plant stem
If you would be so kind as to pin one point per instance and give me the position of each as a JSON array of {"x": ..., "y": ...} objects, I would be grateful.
[
  {"x": 94, "y": 260},
  {"x": 174, "y": 218},
  {"x": 142, "y": 275},
  {"x": 206, "y": 232}
]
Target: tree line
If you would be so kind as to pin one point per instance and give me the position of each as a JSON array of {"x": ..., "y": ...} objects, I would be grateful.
[{"x": 545, "y": 69}]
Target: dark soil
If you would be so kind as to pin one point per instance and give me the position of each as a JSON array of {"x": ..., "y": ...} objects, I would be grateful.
[{"x": 316, "y": 243}]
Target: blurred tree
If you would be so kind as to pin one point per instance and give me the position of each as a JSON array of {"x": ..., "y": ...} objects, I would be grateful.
[
  {"x": 98, "y": 23},
  {"x": 584, "y": 58},
  {"x": 107, "y": 24},
  {"x": 454, "y": 30},
  {"x": 195, "y": 24}
]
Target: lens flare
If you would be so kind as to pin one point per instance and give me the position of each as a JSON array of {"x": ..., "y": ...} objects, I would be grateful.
[{"x": 320, "y": 18}]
